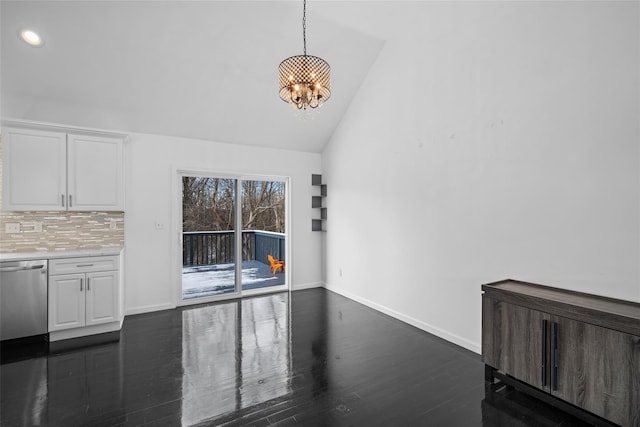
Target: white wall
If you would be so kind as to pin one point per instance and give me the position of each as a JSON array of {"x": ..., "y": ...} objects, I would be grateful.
[
  {"x": 150, "y": 162},
  {"x": 489, "y": 141}
]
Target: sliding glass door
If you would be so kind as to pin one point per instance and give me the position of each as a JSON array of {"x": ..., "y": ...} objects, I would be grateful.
[
  {"x": 208, "y": 236},
  {"x": 263, "y": 234},
  {"x": 233, "y": 236}
]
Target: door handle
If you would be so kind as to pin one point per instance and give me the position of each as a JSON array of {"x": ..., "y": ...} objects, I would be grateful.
[
  {"x": 554, "y": 382},
  {"x": 544, "y": 352},
  {"x": 12, "y": 269}
]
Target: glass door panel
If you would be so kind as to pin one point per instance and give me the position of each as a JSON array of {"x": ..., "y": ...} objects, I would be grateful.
[
  {"x": 263, "y": 234},
  {"x": 208, "y": 236}
]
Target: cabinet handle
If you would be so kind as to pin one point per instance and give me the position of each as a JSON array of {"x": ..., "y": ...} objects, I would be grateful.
[
  {"x": 544, "y": 352},
  {"x": 80, "y": 285},
  {"x": 62, "y": 199},
  {"x": 88, "y": 284},
  {"x": 70, "y": 200},
  {"x": 554, "y": 383},
  {"x": 84, "y": 265}
]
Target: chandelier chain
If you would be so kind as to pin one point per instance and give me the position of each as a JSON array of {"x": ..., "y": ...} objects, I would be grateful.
[{"x": 304, "y": 26}]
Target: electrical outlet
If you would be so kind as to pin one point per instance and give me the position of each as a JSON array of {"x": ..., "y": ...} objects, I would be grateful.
[
  {"x": 33, "y": 227},
  {"x": 113, "y": 225},
  {"x": 12, "y": 227}
]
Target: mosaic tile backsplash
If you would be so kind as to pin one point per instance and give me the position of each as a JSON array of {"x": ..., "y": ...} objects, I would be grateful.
[{"x": 60, "y": 230}]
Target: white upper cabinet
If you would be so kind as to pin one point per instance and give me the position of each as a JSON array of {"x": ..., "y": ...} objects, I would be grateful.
[
  {"x": 34, "y": 165},
  {"x": 94, "y": 173},
  {"x": 50, "y": 170}
]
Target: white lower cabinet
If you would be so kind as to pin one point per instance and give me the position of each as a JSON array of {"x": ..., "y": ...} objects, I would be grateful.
[
  {"x": 66, "y": 301},
  {"x": 101, "y": 297},
  {"x": 83, "y": 296}
]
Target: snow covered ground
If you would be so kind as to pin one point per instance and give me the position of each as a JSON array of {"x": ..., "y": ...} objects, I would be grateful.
[{"x": 208, "y": 280}]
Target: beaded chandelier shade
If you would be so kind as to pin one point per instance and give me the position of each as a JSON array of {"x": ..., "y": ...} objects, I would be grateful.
[{"x": 305, "y": 80}]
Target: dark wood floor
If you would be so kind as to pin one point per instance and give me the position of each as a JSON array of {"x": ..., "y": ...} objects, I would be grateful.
[{"x": 316, "y": 360}]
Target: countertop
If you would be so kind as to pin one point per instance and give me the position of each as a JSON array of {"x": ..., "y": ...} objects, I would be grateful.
[{"x": 18, "y": 256}]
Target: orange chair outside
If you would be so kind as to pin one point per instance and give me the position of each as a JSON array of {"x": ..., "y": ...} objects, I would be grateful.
[{"x": 276, "y": 264}]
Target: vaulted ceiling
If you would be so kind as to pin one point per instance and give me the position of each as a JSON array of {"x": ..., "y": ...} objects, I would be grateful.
[{"x": 204, "y": 70}]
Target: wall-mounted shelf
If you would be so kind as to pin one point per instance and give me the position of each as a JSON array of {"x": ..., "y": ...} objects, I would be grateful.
[{"x": 316, "y": 203}]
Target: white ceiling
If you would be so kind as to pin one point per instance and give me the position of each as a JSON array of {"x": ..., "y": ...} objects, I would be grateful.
[{"x": 205, "y": 70}]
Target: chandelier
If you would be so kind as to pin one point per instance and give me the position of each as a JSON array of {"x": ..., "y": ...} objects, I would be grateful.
[{"x": 305, "y": 80}]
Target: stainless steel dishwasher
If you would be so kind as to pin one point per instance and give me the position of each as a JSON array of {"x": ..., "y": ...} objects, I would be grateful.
[{"x": 23, "y": 298}]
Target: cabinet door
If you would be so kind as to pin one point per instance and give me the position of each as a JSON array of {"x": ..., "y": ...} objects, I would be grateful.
[
  {"x": 514, "y": 341},
  {"x": 598, "y": 370},
  {"x": 95, "y": 173},
  {"x": 34, "y": 170},
  {"x": 66, "y": 301},
  {"x": 102, "y": 297}
]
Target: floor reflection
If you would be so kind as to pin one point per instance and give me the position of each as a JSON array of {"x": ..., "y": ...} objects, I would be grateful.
[
  {"x": 234, "y": 355},
  {"x": 31, "y": 377}
]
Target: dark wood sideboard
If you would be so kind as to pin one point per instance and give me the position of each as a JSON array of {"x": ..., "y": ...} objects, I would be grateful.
[{"x": 578, "y": 351}]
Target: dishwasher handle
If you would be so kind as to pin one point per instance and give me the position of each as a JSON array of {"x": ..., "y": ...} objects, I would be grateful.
[{"x": 22, "y": 268}]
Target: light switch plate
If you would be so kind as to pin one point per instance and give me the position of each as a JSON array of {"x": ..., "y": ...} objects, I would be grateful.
[{"x": 12, "y": 227}]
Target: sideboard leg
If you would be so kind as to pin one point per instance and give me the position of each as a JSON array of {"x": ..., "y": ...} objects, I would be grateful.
[{"x": 488, "y": 373}]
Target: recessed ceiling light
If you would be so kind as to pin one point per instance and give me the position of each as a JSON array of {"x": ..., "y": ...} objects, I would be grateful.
[{"x": 31, "y": 38}]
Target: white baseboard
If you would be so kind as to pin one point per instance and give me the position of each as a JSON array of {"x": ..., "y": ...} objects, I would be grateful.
[
  {"x": 462, "y": 342},
  {"x": 307, "y": 286},
  {"x": 149, "y": 308}
]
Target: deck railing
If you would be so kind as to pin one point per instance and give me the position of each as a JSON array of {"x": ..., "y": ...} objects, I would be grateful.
[{"x": 218, "y": 247}]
